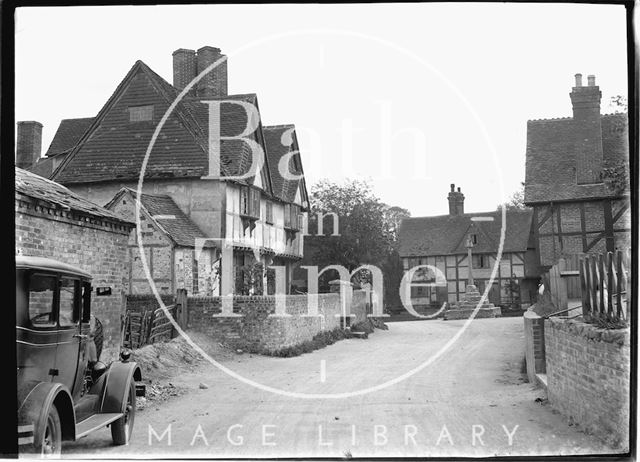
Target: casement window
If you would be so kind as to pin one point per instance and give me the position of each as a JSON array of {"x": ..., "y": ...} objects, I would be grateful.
[
  {"x": 481, "y": 261},
  {"x": 250, "y": 202},
  {"x": 141, "y": 113},
  {"x": 292, "y": 219},
  {"x": 269, "y": 212}
]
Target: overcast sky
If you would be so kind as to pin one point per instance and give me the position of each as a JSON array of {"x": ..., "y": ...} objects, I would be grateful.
[{"x": 411, "y": 96}]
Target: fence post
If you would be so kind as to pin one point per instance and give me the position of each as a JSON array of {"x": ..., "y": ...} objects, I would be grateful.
[
  {"x": 181, "y": 308},
  {"x": 584, "y": 283}
]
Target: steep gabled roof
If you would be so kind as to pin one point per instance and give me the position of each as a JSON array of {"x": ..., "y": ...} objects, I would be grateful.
[
  {"x": 36, "y": 187},
  {"x": 280, "y": 140},
  {"x": 445, "y": 234},
  {"x": 552, "y": 149},
  {"x": 68, "y": 134},
  {"x": 43, "y": 167},
  {"x": 113, "y": 148},
  {"x": 166, "y": 214}
]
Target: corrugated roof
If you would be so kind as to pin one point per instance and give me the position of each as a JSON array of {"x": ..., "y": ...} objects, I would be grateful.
[
  {"x": 166, "y": 213},
  {"x": 34, "y": 186},
  {"x": 445, "y": 234},
  {"x": 68, "y": 134},
  {"x": 551, "y": 158}
]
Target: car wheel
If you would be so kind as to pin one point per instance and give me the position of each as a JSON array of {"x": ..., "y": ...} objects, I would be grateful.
[
  {"x": 121, "y": 429},
  {"x": 50, "y": 441}
]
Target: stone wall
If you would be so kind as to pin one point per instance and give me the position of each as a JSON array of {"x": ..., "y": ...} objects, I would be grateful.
[
  {"x": 588, "y": 371},
  {"x": 255, "y": 327},
  {"x": 99, "y": 249}
]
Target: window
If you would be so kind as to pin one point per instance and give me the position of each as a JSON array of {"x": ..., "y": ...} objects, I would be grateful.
[
  {"x": 292, "y": 217},
  {"x": 69, "y": 306},
  {"x": 474, "y": 239},
  {"x": 481, "y": 261},
  {"x": 250, "y": 202},
  {"x": 41, "y": 290},
  {"x": 269, "y": 212},
  {"x": 141, "y": 113}
]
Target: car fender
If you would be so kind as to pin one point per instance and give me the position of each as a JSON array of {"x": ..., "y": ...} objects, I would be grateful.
[
  {"x": 33, "y": 412},
  {"x": 117, "y": 380}
]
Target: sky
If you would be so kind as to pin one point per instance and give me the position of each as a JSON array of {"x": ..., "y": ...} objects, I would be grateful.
[{"x": 411, "y": 97}]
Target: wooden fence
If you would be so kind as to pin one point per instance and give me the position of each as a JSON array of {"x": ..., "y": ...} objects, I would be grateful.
[
  {"x": 147, "y": 327},
  {"x": 606, "y": 287}
]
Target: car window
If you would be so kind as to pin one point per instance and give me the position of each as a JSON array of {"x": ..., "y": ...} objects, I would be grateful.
[
  {"x": 41, "y": 290},
  {"x": 68, "y": 302}
]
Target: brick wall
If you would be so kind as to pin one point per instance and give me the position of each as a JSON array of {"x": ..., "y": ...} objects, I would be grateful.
[
  {"x": 256, "y": 328},
  {"x": 99, "y": 249},
  {"x": 588, "y": 371},
  {"x": 551, "y": 248},
  {"x": 534, "y": 344}
]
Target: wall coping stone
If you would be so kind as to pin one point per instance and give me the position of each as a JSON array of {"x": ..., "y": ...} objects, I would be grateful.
[{"x": 620, "y": 337}]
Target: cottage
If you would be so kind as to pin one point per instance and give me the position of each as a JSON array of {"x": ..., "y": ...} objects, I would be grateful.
[
  {"x": 52, "y": 221},
  {"x": 441, "y": 241},
  {"x": 259, "y": 216},
  {"x": 576, "y": 179}
]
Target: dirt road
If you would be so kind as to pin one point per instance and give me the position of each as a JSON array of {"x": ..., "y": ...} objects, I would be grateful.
[{"x": 472, "y": 401}]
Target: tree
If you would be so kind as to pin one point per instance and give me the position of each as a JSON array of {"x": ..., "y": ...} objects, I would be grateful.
[
  {"x": 619, "y": 104},
  {"x": 516, "y": 201},
  {"x": 368, "y": 231}
]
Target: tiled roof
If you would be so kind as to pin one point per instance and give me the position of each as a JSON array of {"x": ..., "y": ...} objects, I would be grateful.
[
  {"x": 166, "y": 213},
  {"x": 36, "y": 187},
  {"x": 113, "y": 148},
  {"x": 446, "y": 234},
  {"x": 68, "y": 134},
  {"x": 284, "y": 189},
  {"x": 551, "y": 158}
]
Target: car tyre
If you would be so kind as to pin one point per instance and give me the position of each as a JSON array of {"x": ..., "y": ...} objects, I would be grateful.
[
  {"x": 50, "y": 440},
  {"x": 121, "y": 429}
]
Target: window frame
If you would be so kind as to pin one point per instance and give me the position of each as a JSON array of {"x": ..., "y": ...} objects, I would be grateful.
[
  {"x": 52, "y": 324},
  {"x": 140, "y": 108},
  {"x": 76, "y": 310}
]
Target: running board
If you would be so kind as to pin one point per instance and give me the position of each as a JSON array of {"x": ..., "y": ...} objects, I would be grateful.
[{"x": 95, "y": 422}]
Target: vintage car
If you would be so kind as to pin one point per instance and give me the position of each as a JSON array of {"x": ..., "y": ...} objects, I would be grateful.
[{"x": 64, "y": 391}]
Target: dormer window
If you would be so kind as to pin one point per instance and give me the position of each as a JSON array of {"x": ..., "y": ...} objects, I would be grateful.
[{"x": 141, "y": 113}]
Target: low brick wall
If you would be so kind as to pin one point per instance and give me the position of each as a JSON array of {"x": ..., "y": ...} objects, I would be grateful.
[
  {"x": 534, "y": 344},
  {"x": 147, "y": 302},
  {"x": 257, "y": 329},
  {"x": 588, "y": 372}
]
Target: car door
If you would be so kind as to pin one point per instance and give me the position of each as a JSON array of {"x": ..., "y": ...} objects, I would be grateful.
[
  {"x": 37, "y": 339},
  {"x": 70, "y": 338}
]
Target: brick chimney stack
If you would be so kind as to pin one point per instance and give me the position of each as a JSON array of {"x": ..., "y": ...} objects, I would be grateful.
[
  {"x": 184, "y": 68},
  {"x": 28, "y": 144},
  {"x": 587, "y": 130},
  {"x": 214, "y": 84},
  {"x": 456, "y": 201}
]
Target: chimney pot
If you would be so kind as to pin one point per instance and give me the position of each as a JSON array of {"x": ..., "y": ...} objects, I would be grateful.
[
  {"x": 28, "y": 144},
  {"x": 578, "y": 80},
  {"x": 591, "y": 80},
  {"x": 456, "y": 201}
]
